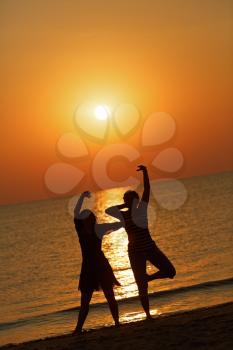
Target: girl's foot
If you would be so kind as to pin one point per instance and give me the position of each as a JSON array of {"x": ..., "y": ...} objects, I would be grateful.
[
  {"x": 77, "y": 331},
  {"x": 117, "y": 324},
  {"x": 149, "y": 317}
]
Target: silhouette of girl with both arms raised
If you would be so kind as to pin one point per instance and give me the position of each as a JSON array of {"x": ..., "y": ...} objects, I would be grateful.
[{"x": 141, "y": 248}]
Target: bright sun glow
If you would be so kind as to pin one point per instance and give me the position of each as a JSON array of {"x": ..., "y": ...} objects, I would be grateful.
[{"x": 102, "y": 112}]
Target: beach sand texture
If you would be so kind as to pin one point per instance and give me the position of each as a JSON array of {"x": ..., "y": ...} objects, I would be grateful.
[{"x": 206, "y": 328}]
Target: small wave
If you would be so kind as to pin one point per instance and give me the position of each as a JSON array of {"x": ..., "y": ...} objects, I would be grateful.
[{"x": 199, "y": 286}]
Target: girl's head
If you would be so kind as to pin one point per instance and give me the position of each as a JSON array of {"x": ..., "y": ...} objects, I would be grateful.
[
  {"x": 130, "y": 198},
  {"x": 87, "y": 219}
]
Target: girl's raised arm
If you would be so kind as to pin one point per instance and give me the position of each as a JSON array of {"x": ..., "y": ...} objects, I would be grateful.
[
  {"x": 146, "y": 182},
  {"x": 79, "y": 204}
]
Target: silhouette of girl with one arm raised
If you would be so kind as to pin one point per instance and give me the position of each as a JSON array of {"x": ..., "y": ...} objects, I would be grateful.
[{"x": 96, "y": 271}]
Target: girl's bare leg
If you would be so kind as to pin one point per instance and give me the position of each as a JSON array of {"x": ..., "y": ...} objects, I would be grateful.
[
  {"x": 109, "y": 295},
  {"x": 84, "y": 309}
]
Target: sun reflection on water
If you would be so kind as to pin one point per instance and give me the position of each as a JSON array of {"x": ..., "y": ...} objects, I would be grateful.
[
  {"x": 115, "y": 245},
  {"x": 137, "y": 316}
]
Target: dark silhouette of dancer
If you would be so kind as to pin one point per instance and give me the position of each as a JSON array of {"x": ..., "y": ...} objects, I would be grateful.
[
  {"x": 96, "y": 271},
  {"x": 141, "y": 247}
]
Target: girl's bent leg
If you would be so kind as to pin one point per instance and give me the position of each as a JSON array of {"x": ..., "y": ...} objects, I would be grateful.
[{"x": 160, "y": 260}]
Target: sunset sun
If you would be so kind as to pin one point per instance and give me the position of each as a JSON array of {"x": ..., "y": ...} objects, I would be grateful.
[{"x": 102, "y": 112}]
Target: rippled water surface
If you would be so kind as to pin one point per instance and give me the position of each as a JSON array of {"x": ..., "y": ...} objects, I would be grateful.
[{"x": 41, "y": 259}]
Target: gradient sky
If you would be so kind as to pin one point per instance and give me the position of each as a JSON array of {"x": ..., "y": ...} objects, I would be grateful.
[{"x": 173, "y": 56}]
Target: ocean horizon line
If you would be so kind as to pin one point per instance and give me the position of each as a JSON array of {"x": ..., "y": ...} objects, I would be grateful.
[{"x": 110, "y": 188}]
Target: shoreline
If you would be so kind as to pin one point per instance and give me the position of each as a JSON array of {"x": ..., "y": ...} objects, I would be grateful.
[{"x": 209, "y": 328}]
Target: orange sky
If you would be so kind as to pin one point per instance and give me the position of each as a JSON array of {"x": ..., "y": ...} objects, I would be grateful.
[{"x": 173, "y": 56}]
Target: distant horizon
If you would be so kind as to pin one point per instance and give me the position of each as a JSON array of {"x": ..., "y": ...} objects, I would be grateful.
[{"x": 77, "y": 194}]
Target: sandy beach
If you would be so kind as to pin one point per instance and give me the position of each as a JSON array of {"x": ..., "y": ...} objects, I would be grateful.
[{"x": 208, "y": 328}]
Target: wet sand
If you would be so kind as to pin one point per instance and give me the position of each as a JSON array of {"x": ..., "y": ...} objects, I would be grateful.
[{"x": 209, "y": 328}]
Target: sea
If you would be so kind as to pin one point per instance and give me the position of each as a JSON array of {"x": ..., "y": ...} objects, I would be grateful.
[{"x": 40, "y": 259}]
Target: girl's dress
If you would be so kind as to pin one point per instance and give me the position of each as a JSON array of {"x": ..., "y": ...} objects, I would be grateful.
[{"x": 96, "y": 272}]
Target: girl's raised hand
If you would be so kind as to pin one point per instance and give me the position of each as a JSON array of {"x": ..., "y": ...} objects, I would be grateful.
[
  {"x": 141, "y": 168},
  {"x": 86, "y": 194}
]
